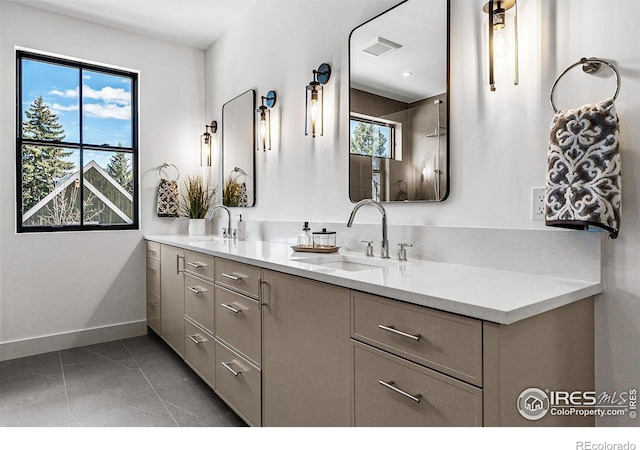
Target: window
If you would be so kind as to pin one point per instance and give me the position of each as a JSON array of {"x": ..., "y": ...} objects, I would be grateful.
[
  {"x": 77, "y": 146},
  {"x": 372, "y": 137}
]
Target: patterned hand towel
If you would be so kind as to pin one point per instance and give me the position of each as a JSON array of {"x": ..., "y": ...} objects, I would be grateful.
[
  {"x": 167, "y": 205},
  {"x": 584, "y": 176}
]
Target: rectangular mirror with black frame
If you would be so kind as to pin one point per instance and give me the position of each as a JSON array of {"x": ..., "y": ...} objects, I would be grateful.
[
  {"x": 398, "y": 103},
  {"x": 238, "y": 152}
]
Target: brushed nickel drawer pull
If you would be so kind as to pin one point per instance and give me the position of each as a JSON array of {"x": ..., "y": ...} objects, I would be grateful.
[
  {"x": 391, "y": 385},
  {"x": 392, "y": 329},
  {"x": 231, "y": 277},
  {"x": 151, "y": 269},
  {"x": 195, "y": 290},
  {"x": 194, "y": 338},
  {"x": 197, "y": 265},
  {"x": 228, "y": 367},
  {"x": 152, "y": 305},
  {"x": 230, "y": 308}
]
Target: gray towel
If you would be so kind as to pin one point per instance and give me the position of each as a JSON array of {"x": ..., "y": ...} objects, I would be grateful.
[
  {"x": 167, "y": 205},
  {"x": 584, "y": 177}
]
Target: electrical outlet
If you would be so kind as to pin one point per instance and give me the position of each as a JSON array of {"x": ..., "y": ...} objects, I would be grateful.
[{"x": 537, "y": 203}]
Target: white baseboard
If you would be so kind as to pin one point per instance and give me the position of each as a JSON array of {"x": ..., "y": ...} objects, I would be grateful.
[{"x": 62, "y": 341}]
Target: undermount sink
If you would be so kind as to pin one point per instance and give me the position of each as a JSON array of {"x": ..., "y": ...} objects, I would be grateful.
[{"x": 349, "y": 263}]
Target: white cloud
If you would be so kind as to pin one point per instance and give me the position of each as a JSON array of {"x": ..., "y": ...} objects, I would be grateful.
[
  {"x": 108, "y": 111},
  {"x": 69, "y": 93},
  {"x": 108, "y": 94},
  {"x": 60, "y": 108},
  {"x": 112, "y": 103}
]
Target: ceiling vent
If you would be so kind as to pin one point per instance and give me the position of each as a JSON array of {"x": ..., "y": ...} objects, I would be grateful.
[{"x": 380, "y": 46}]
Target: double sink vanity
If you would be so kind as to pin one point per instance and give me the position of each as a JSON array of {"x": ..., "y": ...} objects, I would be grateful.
[{"x": 342, "y": 339}]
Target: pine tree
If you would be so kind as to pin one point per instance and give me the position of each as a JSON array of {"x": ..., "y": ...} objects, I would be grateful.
[
  {"x": 120, "y": 170},
  {"x": 42, "y": 165}
]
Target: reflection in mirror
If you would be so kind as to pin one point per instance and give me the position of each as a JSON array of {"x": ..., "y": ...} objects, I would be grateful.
[
  {"x": 238, "y": 137},
  {"x": 398, "y": 122}
]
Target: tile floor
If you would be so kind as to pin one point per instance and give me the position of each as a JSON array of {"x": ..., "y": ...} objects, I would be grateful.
[{"x": 137, "y": 382}]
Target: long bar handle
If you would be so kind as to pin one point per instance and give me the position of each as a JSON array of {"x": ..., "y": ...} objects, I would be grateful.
[
  {"x": 391, "y": 385},
  {"x": 231, "y": 277},
  {"x": 392, "y": 329},
  {"x": 228, "y": 367},
  {"x": 197, "y": 265},
  {"x": 194, "y": 338},
  {"x": 230, "y": 308},
  {"x": 178, "y": 257},
  {"x": 195, "y": 290}
]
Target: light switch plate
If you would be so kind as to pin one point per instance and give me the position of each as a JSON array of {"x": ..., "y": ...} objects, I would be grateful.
[{"x": 537, "y": 204}]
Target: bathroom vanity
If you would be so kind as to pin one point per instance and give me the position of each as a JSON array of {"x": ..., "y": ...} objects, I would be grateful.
[{"x": 292, "y": 339}]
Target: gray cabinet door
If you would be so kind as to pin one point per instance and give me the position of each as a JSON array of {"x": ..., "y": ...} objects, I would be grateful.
[
  {"x": 306, "y": 360},
  {"x": 172, "y": 297}
]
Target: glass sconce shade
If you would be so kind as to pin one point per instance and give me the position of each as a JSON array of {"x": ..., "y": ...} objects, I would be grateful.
[
  {"x": 206, "y": 144},
  {"x": 263, "y": 121},
  {"x": 502, "y": 43},
  {"x": 314, "y": 101},
  {"x": 314, "y": 110}
]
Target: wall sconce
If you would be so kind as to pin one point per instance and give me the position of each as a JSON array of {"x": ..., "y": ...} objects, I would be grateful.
[
  {"x": 502, "y": 25},
  {"x": 263, "y": 121},
  {"x": 314, "y": 107},
  {"x": 206, "y": 142}
]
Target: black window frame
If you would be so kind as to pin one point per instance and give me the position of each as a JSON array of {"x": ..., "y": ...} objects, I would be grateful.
[{"x": 133, "y": 150}]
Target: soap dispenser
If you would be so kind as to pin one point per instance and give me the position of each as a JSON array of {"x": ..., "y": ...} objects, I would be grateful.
[
  {"x": 242, "y": 229},
  {"x": 304, "y": 238}
]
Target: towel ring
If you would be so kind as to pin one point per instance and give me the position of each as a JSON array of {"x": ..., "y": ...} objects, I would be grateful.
[
  {"x": 589, "y": 65},
  {"x": 165, "y": 165}
]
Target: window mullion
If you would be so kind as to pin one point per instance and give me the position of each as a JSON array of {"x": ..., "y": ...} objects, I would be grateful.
[{"x": 81, "y": 134}]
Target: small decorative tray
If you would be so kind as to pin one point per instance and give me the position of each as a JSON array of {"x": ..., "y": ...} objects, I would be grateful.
[{"x": 306, "y": 248}]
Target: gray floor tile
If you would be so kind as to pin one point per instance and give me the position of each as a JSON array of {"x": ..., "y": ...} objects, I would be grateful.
[
  {"x": 113, "y": 394},
  {"x": 108, "y": 351},
  {"x": 31, "y": 369},
  {"x": 136, "y": 382}
]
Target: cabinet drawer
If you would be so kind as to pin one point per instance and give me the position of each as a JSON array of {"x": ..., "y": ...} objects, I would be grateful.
[
  {"x": 198, "y": 264},
  {"x": 238, "y": 323},
  {"x": 445, "y": 342},
  {"x": 238, "y": 277},
  {"x": 238, "y": 384},
  {"x": 153, "y": 250},
  {"x": 153, "y": 312},
  {"x": 153, "y": 276},
  {"x": 198, "y": 301},
  {"x": 411, "y": 394},
  {"x": 200, "y": 351}
]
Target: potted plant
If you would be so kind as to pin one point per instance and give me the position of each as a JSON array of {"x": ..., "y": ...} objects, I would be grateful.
[{"x": 195, "y": 201}]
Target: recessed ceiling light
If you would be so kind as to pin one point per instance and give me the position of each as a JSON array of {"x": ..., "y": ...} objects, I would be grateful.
[{"x": 407, "y": 74}]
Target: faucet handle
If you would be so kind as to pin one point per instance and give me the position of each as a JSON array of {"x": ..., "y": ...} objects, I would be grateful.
[
  {"x": 369, "y": 249},
  {"x": 402, "y": 251},
  {"x": 224, "y": 233}
]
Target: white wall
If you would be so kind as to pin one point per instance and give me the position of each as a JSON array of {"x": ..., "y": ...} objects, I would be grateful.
[
  {"x": 59, "y": 284},
  {"x": 498, "y": 140}
]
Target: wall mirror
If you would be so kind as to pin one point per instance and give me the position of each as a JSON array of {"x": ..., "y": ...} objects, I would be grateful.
[
  {"x": 398, "y": 104},
  {"x": 238, "y": 155}
]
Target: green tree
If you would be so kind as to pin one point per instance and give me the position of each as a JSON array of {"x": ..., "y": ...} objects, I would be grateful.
[
  {"x": 367, "y": 139},
  {"x": 119, "y": 168},
  {"x": 42, "y": 165}
]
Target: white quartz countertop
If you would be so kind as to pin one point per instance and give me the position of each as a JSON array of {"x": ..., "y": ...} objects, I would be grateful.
[{"x": 495, "y": 295}]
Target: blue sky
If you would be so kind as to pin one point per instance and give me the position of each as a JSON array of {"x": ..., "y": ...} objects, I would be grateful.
[{"x": 106, "y": 104}]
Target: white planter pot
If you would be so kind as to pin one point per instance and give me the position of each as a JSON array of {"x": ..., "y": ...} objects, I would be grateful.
[{"x": 197, "y": 227}]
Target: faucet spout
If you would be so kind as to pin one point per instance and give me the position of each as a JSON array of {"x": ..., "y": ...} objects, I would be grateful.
[
  {"x": 209, "y": 215},
  {"x": 384, "y": 245}
]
